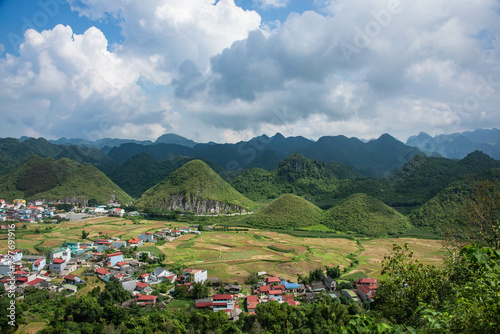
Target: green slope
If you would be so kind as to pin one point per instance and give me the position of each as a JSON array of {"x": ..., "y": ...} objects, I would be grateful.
[
  {"x": 295, "y": 174},
  {"x": 64, "y": 179},
  {"x": 288, "y": 211},
  {"x": 450, "y": 208},
  {"x": 194, "y": 187},
  {"x": 364, "y": 214}
]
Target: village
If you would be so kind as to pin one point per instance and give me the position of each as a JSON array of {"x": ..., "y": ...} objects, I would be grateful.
[{"x": 121, "y": 260}]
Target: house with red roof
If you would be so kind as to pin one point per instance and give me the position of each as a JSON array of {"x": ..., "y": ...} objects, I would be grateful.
[
  {"x": 139, "y": 286},
  {"x": 371, "y": 282},
  {"x": 290, "y": 300},
  {"x": 70, "y": 278},
  {"x": 34, "y": 283},
  {"x": 276, "y": 295},
  {"x": 222, "y": 302},
  {"x": 272, "y": 280},
  {"x": 57, "y": 265},
  {"x": 102, "y": 271},
  {"x": 39, "y": 264},
  {"x": 252, "y": 302},
  {"x": 135, "y": 242},
  {"x": 114, "y": 258},
  {"x": 365, "y": 293},
  {"x": 147, "y": 237},
  {"x": 145, "y": 299}
]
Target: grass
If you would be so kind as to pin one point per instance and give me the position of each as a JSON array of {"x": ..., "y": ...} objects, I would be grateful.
[
  {"x": 31, "y": 328},
  {"x": 152, "y": 249},
  {"x": 176, "y": 304}
]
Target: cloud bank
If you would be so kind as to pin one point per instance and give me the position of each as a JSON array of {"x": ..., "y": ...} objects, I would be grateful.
[{"x": 210, "y": 70}]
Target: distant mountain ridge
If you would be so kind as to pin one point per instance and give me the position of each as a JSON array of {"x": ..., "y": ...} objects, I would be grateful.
[{"x": 458, "y": 145}]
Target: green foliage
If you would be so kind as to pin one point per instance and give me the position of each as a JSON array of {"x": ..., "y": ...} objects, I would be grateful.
[
  {"x": 363, "y": 214},
  {"x": 333, "y": 272},
  {"x": 448, "y": 212},
  {"x": 193, "y": 182},
  {"x": 288, "y": 211},
  {"x": 463, "y": 297}
]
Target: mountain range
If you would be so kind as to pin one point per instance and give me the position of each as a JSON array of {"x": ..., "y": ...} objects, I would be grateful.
[{"x": 458, "y": 145}]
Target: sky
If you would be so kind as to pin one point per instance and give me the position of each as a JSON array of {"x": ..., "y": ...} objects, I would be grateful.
[{"x": 230, "y": 70}]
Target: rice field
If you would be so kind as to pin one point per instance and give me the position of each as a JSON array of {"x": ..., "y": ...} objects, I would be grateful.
[{"x": 230, "y": 255}]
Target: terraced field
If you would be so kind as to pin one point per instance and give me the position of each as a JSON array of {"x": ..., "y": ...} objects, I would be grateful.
[{"x": 231, "y": 255}]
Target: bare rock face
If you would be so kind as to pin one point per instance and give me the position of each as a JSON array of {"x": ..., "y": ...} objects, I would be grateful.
[{"x": 198, "y": 205}]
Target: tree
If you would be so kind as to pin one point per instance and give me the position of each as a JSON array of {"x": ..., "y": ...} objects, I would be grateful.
[
  {"x": 252, "y": 279},
  {"x": 484, "y": 214},
  {"x": 181, "y": 291},
  {"x": 333, "y": 272},
  {"x": 200, "y": 290},
  {"x": 85, "y": 234},
  {"x": 316, "y": 275}
]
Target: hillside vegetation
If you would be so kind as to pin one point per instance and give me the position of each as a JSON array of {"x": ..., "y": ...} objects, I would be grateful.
[
  {"x": 64, "y": 179},
  {"x": 194, "y": 187},
  {"x": 364, "y": 214},
  {"x": 451, "y": 208},
  {"x": 287, "y": 212}
]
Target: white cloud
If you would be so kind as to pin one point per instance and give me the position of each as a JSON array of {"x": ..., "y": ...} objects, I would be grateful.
[
  {"x": 207, "y": 70},
  {"x": 272, "y": 3}
]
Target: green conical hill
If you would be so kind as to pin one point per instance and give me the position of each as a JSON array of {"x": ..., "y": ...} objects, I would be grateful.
[
  {"x": 288, "y": 211},
  {"x": 64, "y": 180},
  {"x": 194, "y": 187},
  {"x": 364, "y": 214}
]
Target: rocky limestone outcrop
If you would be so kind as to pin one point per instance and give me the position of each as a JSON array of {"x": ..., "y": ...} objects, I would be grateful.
[{"x": 197, "y": 205}]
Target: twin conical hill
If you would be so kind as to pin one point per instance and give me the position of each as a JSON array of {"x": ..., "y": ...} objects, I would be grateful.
[
  {"x": 288, "y": 211},
  {"x": 59, "y": 180},
  {"x": 364, "y": 214},
  {"x": 194, "y": 187}
]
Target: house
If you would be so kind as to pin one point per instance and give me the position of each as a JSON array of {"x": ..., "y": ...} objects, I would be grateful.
[
  {"x": 39, "y": 264},
  {"x": 139, "y": 286},
  {"x": 145, "y": 277},
  {"x": 69, "y": 288},
  {"x": 222, "y": 302},
  {"x": 117, "y": 212},
  {"x": 276, "y": 295},
  {"x": 272, "y": 280},
  {"x": 317, "y": 287},
  {"x": 184, "y": 229},
  {"x": 144, "y": 300},
  {"x": 291, "y": 287},
  {"x": 74, "y": 247},
  {"x": 102, "y": 271},
  {"x": 195, "y": 275},
  {"x": 14, "y": 256},
  {"x": 100, "y": 211},
  {"x": 371, "y": 282},
  {"x": 161, "y": 274},
  {"x": 365, "y": 293},
  {"x": 147, "y": 237},
  {"x": 114, "y": 258},
  {"x": 71, "y": 279},
  {"x": 135, "y": 242},
  {"x": 132, "y": 214},
  {"x": 129, "y": 285},
  {"x": 57, "y": 265},
  {"x": 290, "y": 300},
  {"x": 350, "y": 294},
  {"x": 233, "y": 288},
  {"x": 330, "y": 283},
  {"x": 35, "y": 283},
  {"x": 60, "y": 253},
  {"x": 118, "y": 244},
  {"x": 252, "y": 302},
  {"x": 203, "y": 303}
]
